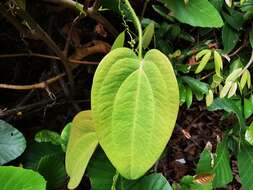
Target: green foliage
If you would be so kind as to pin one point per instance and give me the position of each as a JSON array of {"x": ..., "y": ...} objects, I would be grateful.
[
  {"x": 48, "y": 160},
  {"x": 148, "y": 34},
  {"x": 12, "y": 143},
  {"x": 222, "y": 168},
  {"x": 82, "y": 143},
  {"x": 14, "y": 178},
  {"x": 48, "y": 136},
  {"x": 229, "y": 106},
  {"x": 118, "y": 103},
  {"x": 135, "y": 99},
  {"x": 119, "y": 42},
  {"x": 101, "y": 173},
  {"x": 196, "y": 12},
  {"x": 245, "y": 158}
]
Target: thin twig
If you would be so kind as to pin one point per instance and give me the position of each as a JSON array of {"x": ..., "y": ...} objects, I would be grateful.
[
  {"x": 244, "y": 44},
  {"x": 46, "y": 57},
  {"x": 40, "y": 85},
  {"x": 144, "y": 8}
]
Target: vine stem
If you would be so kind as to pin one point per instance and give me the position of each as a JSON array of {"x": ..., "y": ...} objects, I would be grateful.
[
  {"x": 248, "y": 64},
  {"x": 138, "y": 27},
  {"x": 114, "y": 181}
]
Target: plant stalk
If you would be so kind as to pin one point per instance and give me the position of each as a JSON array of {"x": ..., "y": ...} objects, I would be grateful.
[{"x": 138, "y": 27}]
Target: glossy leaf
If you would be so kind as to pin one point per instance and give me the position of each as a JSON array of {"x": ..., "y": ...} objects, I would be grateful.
[
  {"x": 229, "y": 106},
  {"x": 12, "y": 143},
  {"x": 204, "y": 164},
  {"x": 119, "y": 42},
  {"x": 230, "y": 38},
  {"x": 15, "y": 178},
  {"x": 196, "y": 85},
  {"x": 82, "y": 144},
  {"x": 245, "y": 158},
  {"x": 196, "y": 12},
  {"x": 222, "y": 168},
  {"x": 141, "y": 99}
]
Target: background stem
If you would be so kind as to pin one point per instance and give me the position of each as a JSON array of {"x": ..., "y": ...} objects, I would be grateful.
[{"x": 138, "y": 27}]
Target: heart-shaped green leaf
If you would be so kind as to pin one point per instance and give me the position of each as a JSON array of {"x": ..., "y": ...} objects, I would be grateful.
[
  {"x": 134, "y": 106},
  {"x": 14, "y": 178},
  {"x": 81, "y": 145}
]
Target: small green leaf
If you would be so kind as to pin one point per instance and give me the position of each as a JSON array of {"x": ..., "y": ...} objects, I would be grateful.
[
  {"x": 209, "y": 98},
  {"x": 232, "y": 90},
  {"x": 222, "y": 168},
  {"x": 202, "y": 53},
  {"x": 204, "y": 164},
  {"x": 216, "y": 81},
  {"x": 203, "y": 62},
  {"x": 148, "y": 35},
  {"x": 12, "y": 142},
  {"x": 182, "y": 92},
  {"x": 15, "y": 178},
  {"x": 197, "y": 86},
  {"x": 225, "y": 89},
  {"x": 82, "y": 143},
  {"x": 248, "y": 107},
  {"x": 234, "y": 75},
  {"x": 119, "y": 42},
  {"x": 249, "y": 80},
  {"x": 244, "y": 79},
  {"x": 218, "y": 63},
  {"x": 48, "y": 136},
  {"x": 188, "y": 96},
  {"x": 249, "y": 134}
]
